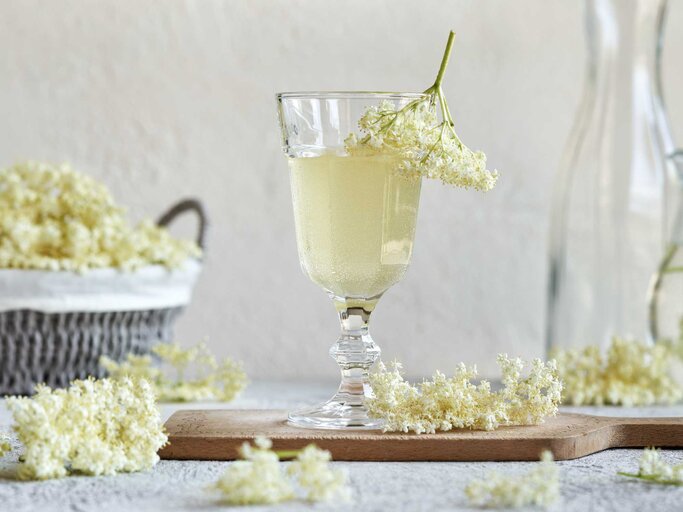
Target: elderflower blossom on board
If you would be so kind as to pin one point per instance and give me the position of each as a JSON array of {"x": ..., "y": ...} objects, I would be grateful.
[
  {"x": 630, "y": 373},
  {"x": 539, "y": 487},
  {"x": 445, "y": 403},
  {"x": 216, "y": 380},
  {"x": 652, "y": 468},
  {"x": 54, "y": 218},
  {"x": 259, "y": 479},
  {"x": 95, "y": 427}
]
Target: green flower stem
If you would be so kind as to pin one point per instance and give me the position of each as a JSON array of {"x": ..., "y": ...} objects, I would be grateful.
[
  {"x": 435, "y": 91},
  {"x": 651, "y": 478},
  {"x": 287, "y": 454},
  {"x": 671, "y": 254},
  {"x": 655, "y": 288},
  {"x": 444, "y": 63}
]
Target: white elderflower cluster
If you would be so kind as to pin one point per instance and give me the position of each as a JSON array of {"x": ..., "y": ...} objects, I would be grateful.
[
  {"x": 5, "y": 444},
  {"x": 95, "y": 427},
  {"x": 214, "y": 380},
  {"x": 259, "y": 479},
  {"x": 631, "y": 373},
  {"x": 426, "y": 147},
  {"x": 315, "y": 477},
  {"x": 255, "y": 480},
  {"x": 54, "y": 218},
  {"x": 652, "y": 468},
  {"x": 539, "y": 487},
  {"x": 444, "y": 403}
]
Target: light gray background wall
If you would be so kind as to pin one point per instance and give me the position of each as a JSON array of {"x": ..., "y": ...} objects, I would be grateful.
[{"x": 162, "y": 100}]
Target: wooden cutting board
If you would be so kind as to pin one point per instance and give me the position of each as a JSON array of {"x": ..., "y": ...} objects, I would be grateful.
[{"x": 217, "y": 434}]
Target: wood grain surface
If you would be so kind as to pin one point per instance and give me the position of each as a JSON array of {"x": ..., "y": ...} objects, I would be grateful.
[{"x": 217, "y": 434}]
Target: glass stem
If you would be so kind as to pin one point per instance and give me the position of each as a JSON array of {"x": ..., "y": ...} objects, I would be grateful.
[{"x": 355, "y": 351}]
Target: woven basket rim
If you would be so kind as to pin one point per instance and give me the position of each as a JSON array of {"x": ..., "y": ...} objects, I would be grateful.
[{"x": 150, "y": 287}]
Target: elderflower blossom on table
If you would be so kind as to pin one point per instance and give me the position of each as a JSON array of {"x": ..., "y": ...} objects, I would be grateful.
[
  {"x": 631, "y": 373},
  {"x": 54, "y": 218},
  {"x": 259, "y": 479},
  {"x": 652, "y": 468},
  {"x": 95, "y": 427},
  {"x": 313, "y": 474},
  {"x": 539, "y": 487},
  {"x": 446, "y": 403},
  {"x": 221, "y": 381},
  {"x": 427, "y": 148}
]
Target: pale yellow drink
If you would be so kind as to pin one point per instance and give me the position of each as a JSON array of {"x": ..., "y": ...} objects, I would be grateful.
[{"x": 355, "y": 221}]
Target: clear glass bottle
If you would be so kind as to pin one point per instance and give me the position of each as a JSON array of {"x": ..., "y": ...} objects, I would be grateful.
[
  {"x": 618, "y": 191},
  {"x": 665, "y": 298}
]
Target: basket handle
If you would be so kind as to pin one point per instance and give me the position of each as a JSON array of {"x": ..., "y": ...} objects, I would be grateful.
[{"x": 185, "y": 205}]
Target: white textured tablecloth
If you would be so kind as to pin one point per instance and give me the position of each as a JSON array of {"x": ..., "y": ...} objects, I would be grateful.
[{"x": 587, "y": 484}]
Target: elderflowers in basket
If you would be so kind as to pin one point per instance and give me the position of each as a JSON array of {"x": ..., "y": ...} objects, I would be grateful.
[{"x": 77, "y": 281}]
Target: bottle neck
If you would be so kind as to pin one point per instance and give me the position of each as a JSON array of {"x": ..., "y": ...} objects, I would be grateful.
[
  {"x": 624, "y": 41},
  {"x": 625, "y": 37}
]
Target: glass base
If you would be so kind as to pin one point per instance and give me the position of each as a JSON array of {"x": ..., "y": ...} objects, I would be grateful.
[
  {"x": 336, "y": 413},
  {"x": 355, "y": 352}
]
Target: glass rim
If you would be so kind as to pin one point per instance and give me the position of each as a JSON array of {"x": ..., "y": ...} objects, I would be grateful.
[{"x": 349, "y": 95}]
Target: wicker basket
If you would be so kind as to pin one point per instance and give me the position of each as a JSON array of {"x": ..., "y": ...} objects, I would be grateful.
[{"x": 56, "y": 348}]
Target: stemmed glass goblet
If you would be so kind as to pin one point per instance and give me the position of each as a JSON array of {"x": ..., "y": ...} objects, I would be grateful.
[{"x": 355, "y": 216}]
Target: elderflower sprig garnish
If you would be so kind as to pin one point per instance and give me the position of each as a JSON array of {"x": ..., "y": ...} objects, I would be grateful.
[
  {"x": 539, "y": 487},
  {"x": 95, "y": 427},
  {"x": 426, "y": 147},
  {"x": 653, "y": 469},
  {"x": 444, "y": 403},
  {"x": 54, "y": 218},
  {"x": 215, "y": 380},
  {"x": 630, "y": 373},
  {"x": 259, "y": 479}
]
